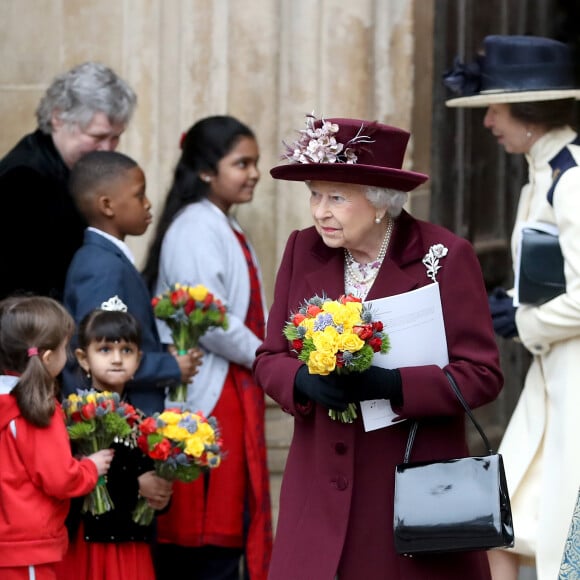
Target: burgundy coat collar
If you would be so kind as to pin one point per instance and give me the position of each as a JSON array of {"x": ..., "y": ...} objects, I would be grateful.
[{"x": 406, "y": 247}]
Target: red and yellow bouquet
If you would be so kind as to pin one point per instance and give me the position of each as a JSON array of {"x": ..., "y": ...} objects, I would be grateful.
[
  {"x": 336, "y": 336},
  {"x": 94, "y": 420},
  {"x": 189, "y": 312},
  {"x": 182, "y": 445}
]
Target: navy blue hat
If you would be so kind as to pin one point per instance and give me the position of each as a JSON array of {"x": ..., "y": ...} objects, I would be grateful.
[{"x": 514, "y": 69}]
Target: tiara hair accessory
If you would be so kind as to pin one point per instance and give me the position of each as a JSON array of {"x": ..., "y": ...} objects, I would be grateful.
[
  {"x": 32, "y": 351},
  {"x": 114, "y": 304}
]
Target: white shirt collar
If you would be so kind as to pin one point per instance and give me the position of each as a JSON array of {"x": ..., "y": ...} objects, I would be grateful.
[{"x": 119, "y": 243}]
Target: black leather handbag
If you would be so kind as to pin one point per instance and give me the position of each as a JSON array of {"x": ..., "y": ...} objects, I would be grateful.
[
  {"x": 451, "y": 505},
  {"x": 541, "y": 275}
]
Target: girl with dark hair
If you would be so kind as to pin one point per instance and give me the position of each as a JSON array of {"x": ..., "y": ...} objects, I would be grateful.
[
  {"x": 38, "y": 474},
  {"x": 225, "y": 514},
  {"x": 111, "y": 546}
]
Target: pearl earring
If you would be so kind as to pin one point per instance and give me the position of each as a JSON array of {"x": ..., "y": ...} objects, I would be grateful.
[
  {"x": 89, "y": 375},
  {"x": 206, "y": 178},
  {"x": 377, "y": 220},
  {"x": 528, "y": 134}
]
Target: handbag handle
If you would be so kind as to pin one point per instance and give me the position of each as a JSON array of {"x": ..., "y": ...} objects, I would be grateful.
[{"x": 463, "y": 402}]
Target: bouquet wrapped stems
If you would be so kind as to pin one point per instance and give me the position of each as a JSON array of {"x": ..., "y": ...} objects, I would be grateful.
[
  {"x": 98, "y": 501},
  {"x": 184, "y": 338},
  {"x": 143, "y": 514},
  {"x": 347, "y": 416}
]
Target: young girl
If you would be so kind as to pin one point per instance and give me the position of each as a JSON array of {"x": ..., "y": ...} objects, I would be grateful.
[
  {"x": 199, "y": 241},
  {"x": 38, "y": 474},
  {"x": 111, "y": 546}
]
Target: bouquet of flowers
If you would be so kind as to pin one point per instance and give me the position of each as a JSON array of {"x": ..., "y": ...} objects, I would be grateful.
[
  {"x": 189, "y": 311},
  {"x": 182, "y": 446},
  {"x": 336, "y": 336},
  {"x": 96, "y": 419}
]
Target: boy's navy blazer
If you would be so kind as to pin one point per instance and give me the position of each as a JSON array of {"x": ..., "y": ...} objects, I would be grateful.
[{"x": 98, "y": 271}]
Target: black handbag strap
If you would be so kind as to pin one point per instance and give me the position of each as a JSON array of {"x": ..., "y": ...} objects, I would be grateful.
[{"x": 463, "y": 402}]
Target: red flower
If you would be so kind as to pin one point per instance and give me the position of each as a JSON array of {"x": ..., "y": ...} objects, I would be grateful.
[
  {"x": 312, "y": 311},
  {"x": 297, "y": 344},
  {"x": 88, "y": 411},
  {"x": 297, "y": 319},
  {"x": 155, "y": 301},
  {"x": 364, "y": 332},
  {"x": 349, "y": 298},
  {"x": 189, "y": 307},
  {"x": 161, "y": 451},
  {"x": 378, "y": 326},
  {"x": 375, "y": 343},
  {"x": 148, "y": 426},
  {"x": 179, "y": 297}
]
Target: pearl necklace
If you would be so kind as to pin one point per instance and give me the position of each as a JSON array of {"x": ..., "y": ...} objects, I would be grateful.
[{"x": 356, "y": 274}]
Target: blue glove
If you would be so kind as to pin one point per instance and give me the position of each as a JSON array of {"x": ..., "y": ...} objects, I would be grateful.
[
  {"x": 375, "y": 383},
  {"x": 503, "y": 313},
  {"x": 328, "y": 390}
]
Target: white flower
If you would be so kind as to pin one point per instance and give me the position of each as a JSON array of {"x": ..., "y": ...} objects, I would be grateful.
[
  {"x": 319, "y": 144},
  {"x": 431, "y": 259}
]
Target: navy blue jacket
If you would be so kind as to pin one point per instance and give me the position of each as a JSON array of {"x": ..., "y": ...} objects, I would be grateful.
[{"x": 98, "y": 271}]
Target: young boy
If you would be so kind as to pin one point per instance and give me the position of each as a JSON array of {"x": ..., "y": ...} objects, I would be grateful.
[{"x": 109, "y": 191}]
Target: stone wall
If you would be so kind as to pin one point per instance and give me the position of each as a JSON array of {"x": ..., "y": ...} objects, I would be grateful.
[{"x": 268, "y": 63}]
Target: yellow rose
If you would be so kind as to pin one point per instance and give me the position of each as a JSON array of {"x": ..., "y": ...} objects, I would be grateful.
[
  {"x": 198, "y": 292},
  {"x": 308, "y": 324},
  {"x": 205, "y": 432},
  {"x": 321, "y": 363},
  {"x": 346, "y": 315},
  {"x": 351, "y": 342},
  {"x": 326, "y": 340},
  {"x": 194, "y": 446},
  {"x": 170, "y": 417},
  {"x": 174, "y": 432}
]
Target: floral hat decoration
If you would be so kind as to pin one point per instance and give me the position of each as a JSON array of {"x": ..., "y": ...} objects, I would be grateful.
[
  {"x": 349, "y": 151},
  {"x": 513, "y": 69}
]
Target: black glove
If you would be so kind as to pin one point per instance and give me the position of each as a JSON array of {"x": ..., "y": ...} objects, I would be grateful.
[
  {"x": 503, "y": 313},
  {"x": 328, "y": 390},
  {"x": 375, "y": 383}
]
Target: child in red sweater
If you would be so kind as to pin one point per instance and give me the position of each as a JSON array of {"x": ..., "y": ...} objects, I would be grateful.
[{"x": 38, "y": 474}]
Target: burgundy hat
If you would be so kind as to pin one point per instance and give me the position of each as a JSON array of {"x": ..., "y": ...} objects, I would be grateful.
[{"x": 349, "y": 151}]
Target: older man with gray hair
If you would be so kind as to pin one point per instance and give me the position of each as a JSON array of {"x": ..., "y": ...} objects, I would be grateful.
[{"x": 84, "y": 109}]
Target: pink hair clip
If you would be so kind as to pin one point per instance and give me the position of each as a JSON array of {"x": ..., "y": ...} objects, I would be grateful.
[{"x": 32, "y": 351}]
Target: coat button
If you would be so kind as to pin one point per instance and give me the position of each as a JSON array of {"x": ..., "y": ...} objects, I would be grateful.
[
  {"x": 340, "y": 482},
  {"x": 340, "y": 448}
]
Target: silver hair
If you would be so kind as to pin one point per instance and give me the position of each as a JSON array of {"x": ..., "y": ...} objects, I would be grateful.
[
  {"x": 81, "y": 92},
  {"x": 384, "y": 197}
]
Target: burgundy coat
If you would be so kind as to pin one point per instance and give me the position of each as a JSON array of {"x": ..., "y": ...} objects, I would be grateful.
[{"x": 336, "y": 504}]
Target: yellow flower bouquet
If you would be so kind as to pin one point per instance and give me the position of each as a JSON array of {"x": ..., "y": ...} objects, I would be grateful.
[
  {"x": 336, "y": 336},
  {"x": 189, "y": 312},
  {"x": 182, "y": 445}
]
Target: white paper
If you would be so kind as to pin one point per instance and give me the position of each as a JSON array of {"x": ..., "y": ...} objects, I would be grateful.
[
  {"x": 414, "y": 324},
  {"x": 549, "y": 228}
]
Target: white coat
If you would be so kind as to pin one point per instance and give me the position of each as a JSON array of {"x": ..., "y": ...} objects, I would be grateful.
[
  {"x": 200, "y": 247},
  {"x": 541, "y": 446}
]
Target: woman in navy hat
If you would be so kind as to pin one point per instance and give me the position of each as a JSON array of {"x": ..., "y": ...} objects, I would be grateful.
[
  {"x": 527, "y": 84},
  {"x": 336, "y": 503}
]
